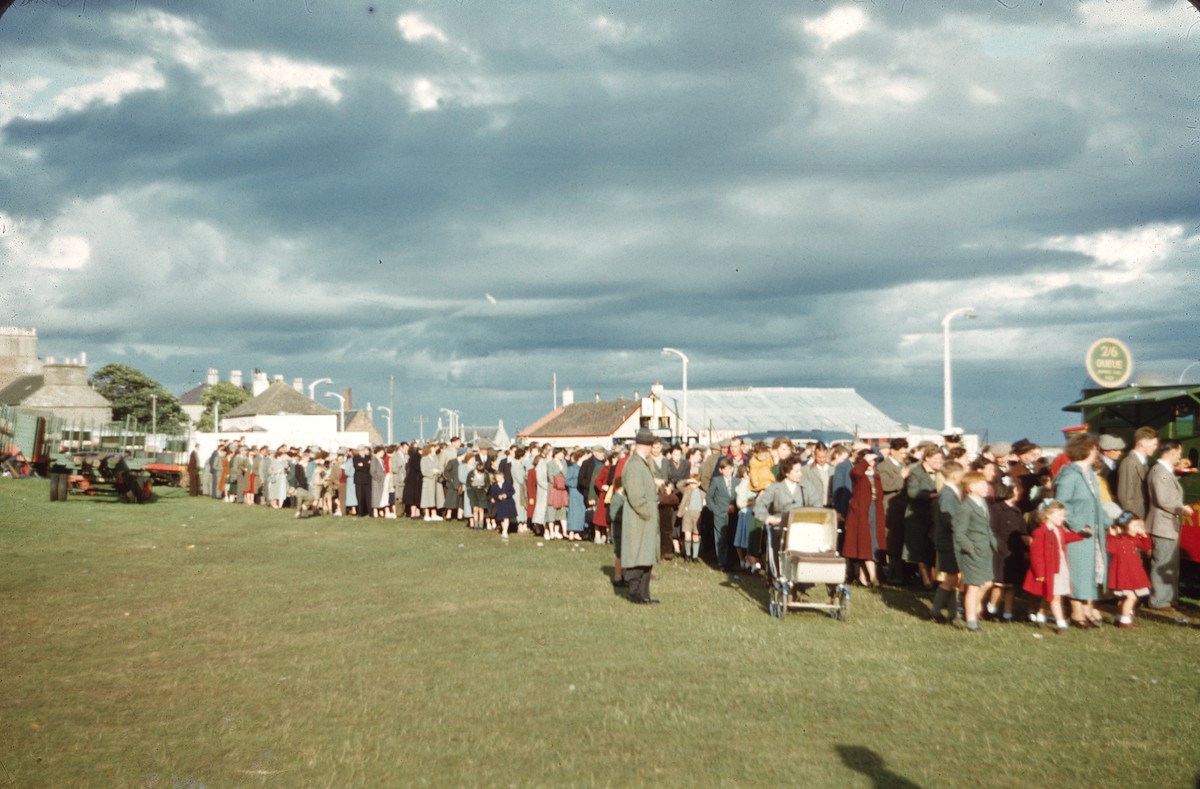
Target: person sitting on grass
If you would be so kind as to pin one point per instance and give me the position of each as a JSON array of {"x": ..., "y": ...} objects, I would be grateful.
[
  {"x": 305, "y": 502},
  {"x": 1048, "y": 577},
  {"x": 1127, "y": 578}
]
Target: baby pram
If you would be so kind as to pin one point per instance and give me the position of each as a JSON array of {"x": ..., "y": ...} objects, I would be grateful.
[{"x": 802, "y": 552}]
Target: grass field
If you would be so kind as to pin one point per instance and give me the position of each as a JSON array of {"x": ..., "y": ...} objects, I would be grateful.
[{"x": 191, "y": 643}]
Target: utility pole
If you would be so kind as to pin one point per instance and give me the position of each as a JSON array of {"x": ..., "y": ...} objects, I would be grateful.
[
  {"x": 391, "y": 403},
  {"x": 421, "y": 420}
]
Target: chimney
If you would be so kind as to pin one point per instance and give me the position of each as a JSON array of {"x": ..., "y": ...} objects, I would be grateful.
[
  {"x": 235, "y": 378},
  {"x": 298, "y": 385},
  {"x": 637, "y": 395},
  {"x": 83, "y": 358},
  {"x": 349, "y": 400},
  {"x": 277, "y": 377},
  {"x": 657, "y": 389},
  {"x": 258, "y": 384},
  {"x": 568, "y": 397},
  {"x": 212, "y": 377},
  {"x": 597, "y": 397}
]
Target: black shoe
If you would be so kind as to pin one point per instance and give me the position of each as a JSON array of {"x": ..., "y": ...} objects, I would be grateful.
[
  {"x": 648, "y": 601},
  {"x": 619, "y": 584}
]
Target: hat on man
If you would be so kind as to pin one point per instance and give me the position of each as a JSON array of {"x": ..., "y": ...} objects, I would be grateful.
[
  {"x": 598, "y": 448},
  {"x": 952, "y": 438},
  {"x": 644, "y": 436},
  {"x": 1110, "y": 443},
  {"x": 1001, "y": 449},
  {"x": 1023, "y": 445}
]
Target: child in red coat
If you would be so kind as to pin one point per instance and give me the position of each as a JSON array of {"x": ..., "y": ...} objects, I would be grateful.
[
  {"x": 1048, "y": 577},
  {"x": 1126, "y": 576}
]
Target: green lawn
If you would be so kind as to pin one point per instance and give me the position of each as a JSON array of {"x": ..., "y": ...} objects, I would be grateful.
[{"x": 190, "y": 643}]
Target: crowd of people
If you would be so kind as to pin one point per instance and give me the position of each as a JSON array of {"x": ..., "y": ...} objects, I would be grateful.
[{"x": 973, "y": 530}]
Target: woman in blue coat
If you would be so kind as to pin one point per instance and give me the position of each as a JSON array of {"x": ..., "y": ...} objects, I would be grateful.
[
  {"x": 576, "y": 505},
  {"x": 1078, "y": 488}
]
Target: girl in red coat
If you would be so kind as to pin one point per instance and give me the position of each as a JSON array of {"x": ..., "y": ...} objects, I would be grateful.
[
  {"x": 1047, "y": 577},
  {"x": 1126, "y": 576}
]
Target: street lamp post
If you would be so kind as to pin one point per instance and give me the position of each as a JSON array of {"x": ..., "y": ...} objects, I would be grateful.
[
  {"x": 683, "y": 418},
  {"x": 312, "y": 394},
  {"x": 389, "y": 418},
  {"x": 1185, "y": 370},
  {"x": 154, "y": 418},
  {"x": 453, "y": 417},
  {"x": 969, "y": 312},
  {"x": 341, "y": 410}
]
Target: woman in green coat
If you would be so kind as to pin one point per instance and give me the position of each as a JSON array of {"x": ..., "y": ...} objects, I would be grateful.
[{"x": 1078, "y": 488}]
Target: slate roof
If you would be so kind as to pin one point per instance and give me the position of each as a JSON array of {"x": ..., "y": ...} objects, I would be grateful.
[
  {"x": 585, "y": 419},
  {"x": 20, "y": 389},
  {"x": 279, "y": 398},
  {"x": 33, "y": 391},
  {"x": 752, "y": 409}
]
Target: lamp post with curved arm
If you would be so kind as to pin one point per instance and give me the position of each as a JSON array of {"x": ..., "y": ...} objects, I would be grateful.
[
  {"x": 968, "y": 312},
  {"x": 1185, "y": 370},
  {"x": 389, "y": 418},
  {"x": 683, "y": 418},
  {"x": 312, "y": 395},
  {"x": 341, "y": 410}
]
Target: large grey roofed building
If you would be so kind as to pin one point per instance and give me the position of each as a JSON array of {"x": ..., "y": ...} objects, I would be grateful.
[{"x": 750, "y": 409}]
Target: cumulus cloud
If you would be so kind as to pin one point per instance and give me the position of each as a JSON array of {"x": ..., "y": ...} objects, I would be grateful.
[
  {"x": 840, "y": 23},
  {"x": 414, "y": 28}
]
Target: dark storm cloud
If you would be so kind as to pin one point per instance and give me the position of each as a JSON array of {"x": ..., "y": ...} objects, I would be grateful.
[{"x": 323, "y": 190}]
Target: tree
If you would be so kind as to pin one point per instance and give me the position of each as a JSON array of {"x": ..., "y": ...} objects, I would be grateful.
[
  {"x": 135, "y": 394},
  {"x": 226, "y": 395}
]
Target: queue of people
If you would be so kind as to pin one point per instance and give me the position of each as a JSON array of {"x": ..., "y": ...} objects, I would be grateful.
[{"x": 975, "y": 532}]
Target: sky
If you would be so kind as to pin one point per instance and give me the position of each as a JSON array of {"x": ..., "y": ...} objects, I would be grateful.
[{"x": 482, "y": 198}]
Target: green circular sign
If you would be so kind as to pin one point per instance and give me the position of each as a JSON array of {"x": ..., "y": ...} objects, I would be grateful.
[{"x": 1109, "y": 362}]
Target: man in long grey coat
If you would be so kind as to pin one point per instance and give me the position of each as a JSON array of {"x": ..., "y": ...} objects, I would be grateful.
[{"x": 639, "y": 525}]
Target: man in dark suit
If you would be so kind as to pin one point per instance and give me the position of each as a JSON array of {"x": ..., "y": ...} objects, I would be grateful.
[
  {"x": 1026, "y": 471},
  {"x": 1165, "y": 512},
  {"x": 362, "y": 480},
  {"x": 1131, "y": 474}
]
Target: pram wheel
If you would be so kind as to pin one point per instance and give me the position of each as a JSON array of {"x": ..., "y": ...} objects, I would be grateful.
[{"x": 842, "y": 596}]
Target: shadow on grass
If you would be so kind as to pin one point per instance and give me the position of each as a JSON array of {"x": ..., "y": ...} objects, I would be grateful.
[
  {"x": 752, "y": 587},
  {"x": 906, "y": 601},
  {"x": 618, "y": 591},
  {"x": 866, "y": 761}
]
